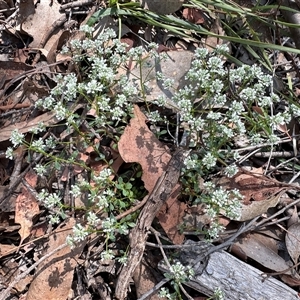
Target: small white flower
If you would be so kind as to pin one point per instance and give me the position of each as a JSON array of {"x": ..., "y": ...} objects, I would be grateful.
[
  {"x": 87, "y": 29},
  {"x": 191, "y": 162},
  {"x": 222, "y": 49},
  {"x": 123, "y": 260},
  {"x": 75, "y": 191},
  {"x": 38, "y": 144},
  {"x": 123, "y": 229},
  {"x": 256, "y": 139},
  {"x": 54, "y": 219},
  {"x": 16, "y": 137},
  {"x": 40, "y": 128},
  {"x": 209, "y": 161},
  {"x": 231, "y": 170},
  {"x": 219, "y": 294},
  {"x": 40, "y": 169},
  {"x": 61, "y": 112},
  {"x": 154, "y": 116},
  {"x": 108, "y": 224},
  {"x": 214, "y": 115},
  {"x": 79, "y": 233},
  {"x": 92, "y": 219},
  {"x": 107, "y": 255},
  {"x": 180, "y": 273},
  {"x": 201, "y": 53},
  {"x": 214, "y": 230},
  {"x": 93, "y": 87},
  {"x": 102, "y": 201},
  {"x": 273, "y": 139},
  {"x": 50, "y": 142},
  {"x": 9, "y": 153},
  {"x": 165, "y": 293}
]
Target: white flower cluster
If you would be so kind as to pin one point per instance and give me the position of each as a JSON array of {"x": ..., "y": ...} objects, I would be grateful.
[
  {"x": 217, "y": 201},
  {"x": 104, "y": 56},
  {"x": 179, "y": 273}
]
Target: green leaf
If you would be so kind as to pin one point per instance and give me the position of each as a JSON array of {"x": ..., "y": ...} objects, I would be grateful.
[{"x": 128, "y": 186}]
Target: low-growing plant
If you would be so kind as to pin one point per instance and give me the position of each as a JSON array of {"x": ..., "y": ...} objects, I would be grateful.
[{"x": 214, "y": 108}]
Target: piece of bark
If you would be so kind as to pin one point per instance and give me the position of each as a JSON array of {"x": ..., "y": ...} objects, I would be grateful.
[{"x": 237, "y": 280}]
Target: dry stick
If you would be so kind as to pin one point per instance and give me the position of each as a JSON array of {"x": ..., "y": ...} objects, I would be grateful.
[
  {"x": 18, "y": 180},
  {"x": 285, "y": 154},
  {"x": 16, "y": 106},
  {"x": 139, "y": 233},
  {"x": 4, "y": 295},
  {"x": 76, "y": 4},
  {"x": 17, "y": 166}
]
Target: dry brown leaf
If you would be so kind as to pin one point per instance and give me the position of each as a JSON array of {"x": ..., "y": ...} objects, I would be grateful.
[
  {"x": 26, "y": 208},
  {"x": 7, "y": 223},
  {"x": 163, "y": 7},
  {"x": 54, "y": 44},
  {"x": 26, "y": 8},
  {"x": 144, "y": 280},
  {"x": 253, "y": 186},
  {"x": 31, "y": 178},
  {"x": 283, "y": 128},
  {"x": 171, "y": 214},
  {"x": 292, "y": 241},
  {"x": 3, "y": 174},
  {"x": 294, "y": 218},
  {"x": 193, "y": 15},
  {"x": 289, "y": 280},
  {"x": 211, "y": 41},
  {"x": 37, "y": 25},
  {"x": 297, "y": 91},
  {"x": 54, "y": 276},
  {"x": 258, "y": 110},
  {"x": 65, "y": 174},
  {"x": 175, "y": 66},
  {"x": 257, "y": 208},
  {"x": 11, "y": 69},
  {"x": 139, "y": 144},
  {"x": 47, "y": 119},
  {"x": 23, "y": 127},
  {"x": 263, "y": 250},
  {"x": 6, "y": 249},
  {"x": 259, "y": 192}
]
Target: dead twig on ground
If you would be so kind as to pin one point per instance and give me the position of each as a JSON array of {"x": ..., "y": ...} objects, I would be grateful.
[{"x": 139, "y": 233}]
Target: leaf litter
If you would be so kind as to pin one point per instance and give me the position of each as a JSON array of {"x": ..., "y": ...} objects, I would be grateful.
[{"x": 42, "y": 23}]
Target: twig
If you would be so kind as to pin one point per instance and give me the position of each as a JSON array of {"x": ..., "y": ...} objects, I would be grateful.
[
  {"x": 13, "y": 187},
  {"x": 76, "y": 4},
  {"x": 139, "y": 233}
]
